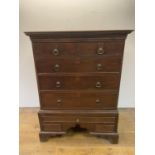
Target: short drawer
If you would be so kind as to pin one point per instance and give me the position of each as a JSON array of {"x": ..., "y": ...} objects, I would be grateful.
[
  {"x": 78, "y": 100},
  {"x": 52, "y": 127},
  {"x": 98, "y": 82},
  {"x": 105, "y": 128},
  {"x": 90, "y": 64},
  {"x": 101, "y": 48}
]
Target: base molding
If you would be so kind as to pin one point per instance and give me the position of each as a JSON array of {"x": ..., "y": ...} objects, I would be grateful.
[{"x": 112, "y": 137}]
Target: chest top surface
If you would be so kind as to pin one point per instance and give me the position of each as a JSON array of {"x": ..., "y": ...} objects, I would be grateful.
[{"x": 79, "y": 34}]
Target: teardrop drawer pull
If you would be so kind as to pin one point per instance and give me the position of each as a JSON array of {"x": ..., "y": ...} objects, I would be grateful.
[
  {"x": 98, "y": 84},
  {"x": 99, "y": 67},
  {"x": 55, "y": 52},
  {"x": 100, "y": 51},
  {"x": 59, "y": 102},
  {"x": 56, "y": 67},
  {"x": 58, "y": 84},
  {"x": 98, "y": 102},
  {"x": 77, "y": 120}
]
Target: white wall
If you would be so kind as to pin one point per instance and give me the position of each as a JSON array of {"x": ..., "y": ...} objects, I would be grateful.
[{"x": 50, "y": 15}]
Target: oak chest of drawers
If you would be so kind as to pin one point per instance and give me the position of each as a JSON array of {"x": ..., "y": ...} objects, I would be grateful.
[{"x": 78, "y": 75}]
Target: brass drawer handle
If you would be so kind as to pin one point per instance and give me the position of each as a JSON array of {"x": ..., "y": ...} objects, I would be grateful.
[
  {"x": 98, "y": 84},
  {"x": 98, "y": 102},
  {"x": 58, "y": 84},
  {"x": 55, "y": 52},
  {"x": 56, "y": 67},
  {"x": 100, "y": 51},
  {"x": 59, "y": 102},
  {"x": 99, "y": 67},
  {"x": 77, "y": 120}
]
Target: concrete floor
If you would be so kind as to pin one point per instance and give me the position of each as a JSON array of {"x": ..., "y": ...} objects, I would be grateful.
[{"x": 75, "y": 144}]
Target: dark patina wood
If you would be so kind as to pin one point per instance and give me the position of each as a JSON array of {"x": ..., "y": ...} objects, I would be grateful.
[
  {"x": 78, "y": 75},
  {"x": 72, "y": 100}
]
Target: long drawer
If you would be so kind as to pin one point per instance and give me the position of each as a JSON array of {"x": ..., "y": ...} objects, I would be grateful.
[
  {"x": 106, "y": 47},
  {"x": 98, "y": 82},
  {"x": 78, "y": 100},
  {"x": 82, "y": 116},
  {"x": 90, "y": 64}
]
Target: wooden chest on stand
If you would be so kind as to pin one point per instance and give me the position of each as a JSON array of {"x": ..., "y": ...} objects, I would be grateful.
[{"x": 78, "y": 75}]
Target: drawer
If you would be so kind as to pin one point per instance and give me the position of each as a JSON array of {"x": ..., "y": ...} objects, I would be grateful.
[
  {"x": 59, "y": 127},
  {"x": 78, "y": 100},
  {"x": 105, "y": 128},
  {"x": 106, "y": 47},
  {"x": 77, "y": 119},
  {"x": 97, "y": 82},
  {"x": 63, "y": 127},
  {"x": 104, "y": 64},
  {"x": 53, "y": 127}
]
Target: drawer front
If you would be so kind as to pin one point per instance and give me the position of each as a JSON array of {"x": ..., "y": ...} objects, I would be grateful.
[
  {"x": 106, "y": 64},
  {"x": 63, "y": 127},
  {"x": 105, "y": 128},
  {"x": 54, "y": 127},
  {"x": 73, "y": 100},
  {"x": 59, "y": 127},
  {"x": 51, "y": 119},
  {"x": 49, "y": 49},
  {"x": 106, "y": 81}
]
